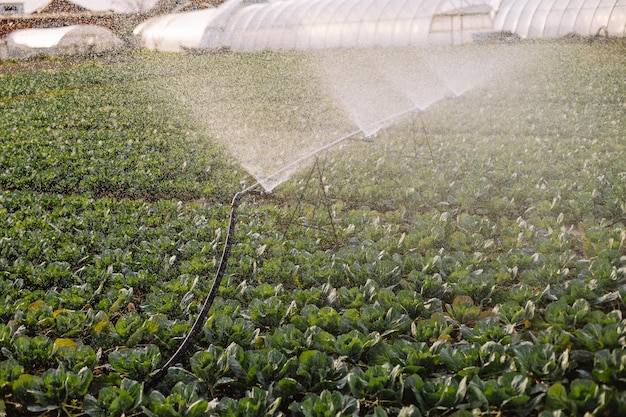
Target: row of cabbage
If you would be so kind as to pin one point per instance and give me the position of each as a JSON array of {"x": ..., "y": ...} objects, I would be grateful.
[
  {"x": 473, "y": 274},
  {"x": 98, "y": 290}
]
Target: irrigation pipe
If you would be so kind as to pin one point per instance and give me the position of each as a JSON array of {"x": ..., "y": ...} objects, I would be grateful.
[
  {"x": 160, "y": 374},
  {"x": 154, "y": 379}
]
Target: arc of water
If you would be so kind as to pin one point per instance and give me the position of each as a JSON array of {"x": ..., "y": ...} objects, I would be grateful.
[
  {"x": 398, "y": 84},
  {"x": 282, "y": 174}
]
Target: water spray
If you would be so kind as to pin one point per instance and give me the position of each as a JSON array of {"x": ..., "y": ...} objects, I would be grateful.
[
  {"x": 375, "y": 127},
  {"x": 267, "y": 183},
  {"x": 253, "y": 189}
]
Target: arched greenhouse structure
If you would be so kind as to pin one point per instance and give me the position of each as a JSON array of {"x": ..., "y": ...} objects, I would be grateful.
[
  {"x": 316, "y": 24},
  {"x": 557, "y": 18},
  {"x": 174, "y": 32},
  {"x": 65, "y": 40}
]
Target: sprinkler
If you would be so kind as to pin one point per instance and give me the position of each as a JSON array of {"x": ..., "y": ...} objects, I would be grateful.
[
  {"x": 267, "y": 183},
  {"x": 160, "y": 374}
]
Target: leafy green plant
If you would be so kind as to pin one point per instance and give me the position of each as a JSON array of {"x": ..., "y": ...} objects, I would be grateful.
[
  {"x": 102, "y": 331},
  {"x": 34, "y": 353},
  {"x": 462, "y": 359},
  {"x": 493, "y": 358},
  {"x": 561, "y": 313},
  {"x": 258, "y": 402},
  {"x": 595, "y": 336},
  {"x": 463, "y": 309},
  {"x": 352, "y": 344},
  {"x": 429, "y": 330},
  {"x": 416, "y": 358},
  {"x": 443, "y": 393},
  {"x": 326, "y": 404},
  {"x": 265, "y": 367},
  {"x": 74, "y": 356},
  {"x": 183, "y": 401},
  {"x": 474, "y": 267},
  {"x": 39, "y": 315},
  {"x": 267, "y": 313},
  {"x": 10, "y": 370},
  {"x": 583, "y": 396},
  {"x": 509, "y": 391},
  {"x": 128, "y": 324},
  {"x": 56, "y": 388},
  {"x": 378, "y": 382},
  {"x": 515, "y": 314},
  {"x": 222, "y": 330},
  {"x": 211, "y": 366},
  {"x": 69, "y": 323},
  {"x": 115, "y": 401},
  {"x": 136, "y": 362},
  {"x": 609, "y": 366},
  {"x": 488, "y": 328},
  {"x": 318, "y": 371},
  {"x": 286, "y": 339},
  {"x": 326, "y": 318},
  {"x": 541, "y": 361}
]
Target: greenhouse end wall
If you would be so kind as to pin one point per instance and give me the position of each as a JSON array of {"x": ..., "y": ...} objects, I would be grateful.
[{"x": 461, "y": 27}]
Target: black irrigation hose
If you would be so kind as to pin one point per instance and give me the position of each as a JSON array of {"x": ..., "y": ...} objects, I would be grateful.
[
  {"x": 160, "y": 374},
  {"x": 155, "y": 378}
]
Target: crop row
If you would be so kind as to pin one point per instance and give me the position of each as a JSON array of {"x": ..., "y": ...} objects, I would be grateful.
[
  {"x": 453, "y": 265},
  {"x": 389, "y": 299},
  {"x": 104, "y": 139}
]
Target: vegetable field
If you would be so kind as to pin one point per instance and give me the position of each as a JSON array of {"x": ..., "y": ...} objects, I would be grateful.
[{"x": 471, "y": 261}]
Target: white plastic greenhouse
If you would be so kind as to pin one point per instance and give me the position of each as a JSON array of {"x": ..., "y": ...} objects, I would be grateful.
[
  {"x": 175, "y": 32},
  {"x": 315, "y": 24},
  {"x": 557, "y": 18},
  {"x": 66, "y": 40}
]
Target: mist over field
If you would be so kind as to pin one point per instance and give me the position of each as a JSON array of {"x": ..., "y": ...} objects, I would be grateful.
[{"x": 462, "y": 253}]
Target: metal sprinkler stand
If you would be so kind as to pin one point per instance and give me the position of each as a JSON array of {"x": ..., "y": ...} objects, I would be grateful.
[{"x": 158, "y": 376}]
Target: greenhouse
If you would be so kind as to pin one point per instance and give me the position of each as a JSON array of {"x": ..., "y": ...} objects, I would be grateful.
[
  {"x": 175, "y": 32},
  {"x": 317, "y": 24},
  {"x": 66, "y": 40},
  {"x": 557, "y": 18}
]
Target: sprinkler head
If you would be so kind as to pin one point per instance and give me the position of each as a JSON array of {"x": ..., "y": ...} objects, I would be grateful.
[{"x": 369, "y": 137}]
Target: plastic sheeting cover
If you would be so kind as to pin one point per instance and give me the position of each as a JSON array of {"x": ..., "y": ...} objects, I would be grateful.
[
  {"x": 556, "y": 18},
  {"x": 175, "y": 32},
  {"x": 316, "y": 24},
  {"x": 39, "y": 37},
  {"x": 66, "y": 40},
  {"x": 311, "y": 24}
]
